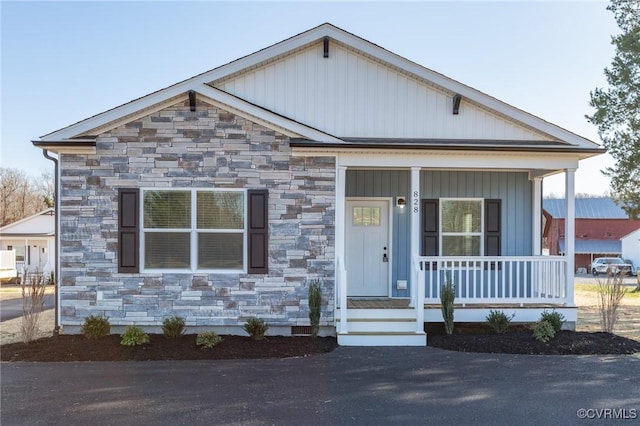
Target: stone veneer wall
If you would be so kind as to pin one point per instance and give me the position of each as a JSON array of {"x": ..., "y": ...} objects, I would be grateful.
[{"x": 206, "y": 148}]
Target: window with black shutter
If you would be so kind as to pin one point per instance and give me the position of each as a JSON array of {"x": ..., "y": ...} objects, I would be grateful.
[{"x": 192, "y": 230}]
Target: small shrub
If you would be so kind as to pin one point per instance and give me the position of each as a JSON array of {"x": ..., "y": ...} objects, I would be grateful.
[
  {"x": 134, "y": 336},
  {"x": 610, "y": 294},
  {"x": 96, "y": 327},
  {"x": 447, "y": 297},
  {"x": 256, "y": 328},
  {"x": 499, "y": 321},
  {"x": 208, "y": 339},
  {"x": 315, "y": 301},
  {"x": 173, "y": 327},
  {"x": 544, "y": 331},
  {"x": 33, "y": 297},
  {"x": 556, "y": 319}
]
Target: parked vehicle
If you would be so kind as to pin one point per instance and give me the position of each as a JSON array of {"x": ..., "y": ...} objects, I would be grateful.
[{"x": 610, "y": 265}]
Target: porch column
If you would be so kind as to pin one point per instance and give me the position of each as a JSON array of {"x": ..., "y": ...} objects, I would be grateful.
[
  {"x": 537, "y": 216},
  {"x": 341, "y": 275},
  {"x": 570, "y": 231},
  {"x": 414, "y": 205}
]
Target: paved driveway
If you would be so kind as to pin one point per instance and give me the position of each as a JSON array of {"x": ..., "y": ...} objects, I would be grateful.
[{"x": 350, "y": 386}]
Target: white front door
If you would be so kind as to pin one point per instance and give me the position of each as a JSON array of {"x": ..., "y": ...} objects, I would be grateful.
[{"x": 368, "y": 250}]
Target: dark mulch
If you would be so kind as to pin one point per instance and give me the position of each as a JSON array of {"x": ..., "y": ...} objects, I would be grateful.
[
  {"x": 79, "y": 348},
  {"x": 519, "y": 340}
]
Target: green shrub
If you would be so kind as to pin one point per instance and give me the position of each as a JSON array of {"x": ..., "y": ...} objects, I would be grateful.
[
  {"x": 173, "y": 327},
  {"x": 447, "y": 297},
  {"x": 96, "y": 327},
  {"x": 208, "y": 339},
  {"x": 544, "y": 331},
  {"x": 134, "y": 336},
  {"x": 499, "y": 321},
  {"x": 556, "y": 319},
  {"x": 256, "y": 328},
  {"x": 315, "y": 300}
]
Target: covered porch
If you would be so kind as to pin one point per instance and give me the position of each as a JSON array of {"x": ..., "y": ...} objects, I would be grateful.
[{"x": 518, "y": 280}]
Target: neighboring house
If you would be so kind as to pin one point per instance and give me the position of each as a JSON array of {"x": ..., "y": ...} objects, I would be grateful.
[
  {"x": 599, "y": 225},
  {"x": 322, "y": 157},
  {"x": 33, "y": 240},
  {"x": 631, "y": 247}
]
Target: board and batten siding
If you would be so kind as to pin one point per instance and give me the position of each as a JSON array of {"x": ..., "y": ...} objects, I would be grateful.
[
  {"x": 513, "y": 188},
  {"x": 350, "y": 94},
  {"x": 388, "y": 183}
]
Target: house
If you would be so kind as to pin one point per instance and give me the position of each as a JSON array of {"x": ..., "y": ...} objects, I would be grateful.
[
  {"x": 599, "y": 225},
  {"x": 33, "y": 241},
  {"x": 630, "y": 248},
  {"x": 323, "y": 157}
]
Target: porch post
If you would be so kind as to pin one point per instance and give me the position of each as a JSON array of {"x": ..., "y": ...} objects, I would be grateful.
[
  {"x": 341, "y": 276},
  {"x": 537, "y": 216},
  {"x": 417, "y": 291},
  {"x": 570, "y": 231}
]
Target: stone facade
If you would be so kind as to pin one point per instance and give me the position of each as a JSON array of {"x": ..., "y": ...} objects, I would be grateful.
[{"x": 208, "y": 148}]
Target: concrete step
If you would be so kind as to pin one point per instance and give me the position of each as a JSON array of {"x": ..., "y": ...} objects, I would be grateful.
[
  {"x": 382, "y": 339},
  {"x": 399, "y": 325}
]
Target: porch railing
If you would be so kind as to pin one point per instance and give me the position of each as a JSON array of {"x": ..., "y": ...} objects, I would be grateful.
[{"x": 485, "y": 280}]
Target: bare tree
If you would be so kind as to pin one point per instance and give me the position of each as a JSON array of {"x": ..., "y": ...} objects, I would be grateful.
[{"x": 22, "y": 195}]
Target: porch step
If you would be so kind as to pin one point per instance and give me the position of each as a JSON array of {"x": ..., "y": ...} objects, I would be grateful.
[
  {"x": 381, "y": 327},
  {"x": 382, "y": 339}
]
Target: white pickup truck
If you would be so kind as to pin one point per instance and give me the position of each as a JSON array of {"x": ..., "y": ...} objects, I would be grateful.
[{"x": 8, "y": 269}]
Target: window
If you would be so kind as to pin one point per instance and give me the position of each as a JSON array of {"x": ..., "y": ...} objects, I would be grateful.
[
  {"x": 366, "y": 216},
  {"x": 193, "y": 229},
  {"x": 461, "y": 227}
]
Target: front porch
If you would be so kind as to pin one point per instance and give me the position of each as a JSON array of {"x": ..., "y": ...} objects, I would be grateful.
[{"x": 525, "y": 286}]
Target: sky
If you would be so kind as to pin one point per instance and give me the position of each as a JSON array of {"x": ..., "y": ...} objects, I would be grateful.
[{"x": 62, "y": 62}]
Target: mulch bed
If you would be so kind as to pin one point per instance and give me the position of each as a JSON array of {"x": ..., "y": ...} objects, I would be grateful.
[
  {"x": 79, "y": 348},
  {"x": 519, "y": 340},
  {"x": 522, "y": 342}
]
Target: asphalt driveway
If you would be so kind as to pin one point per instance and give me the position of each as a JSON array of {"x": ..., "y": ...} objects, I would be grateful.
[{"x": 350, "y": 386}]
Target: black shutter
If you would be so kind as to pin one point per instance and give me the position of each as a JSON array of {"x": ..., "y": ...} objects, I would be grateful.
[
  {"x": 258, "y": 233},
  {"x": 128, "y": 232},
  {"x": 429, "y": 229},
  {"x": 492, "y": 226}
]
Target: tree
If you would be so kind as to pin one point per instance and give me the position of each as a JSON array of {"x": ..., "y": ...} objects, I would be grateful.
[
  {"x": 22, "y": 196},
  {"x": 617, "y": 108}
]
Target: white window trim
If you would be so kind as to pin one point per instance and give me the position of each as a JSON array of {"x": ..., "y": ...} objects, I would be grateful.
[
  {"x": 193, "y": 232},
  {"x": 458, "y": 234}
]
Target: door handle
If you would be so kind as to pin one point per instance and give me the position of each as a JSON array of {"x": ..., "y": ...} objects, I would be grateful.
[{"x": 385, "y": 258}]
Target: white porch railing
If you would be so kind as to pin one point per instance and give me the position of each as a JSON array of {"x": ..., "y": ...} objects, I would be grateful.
[{"x": 486, "y": 280}]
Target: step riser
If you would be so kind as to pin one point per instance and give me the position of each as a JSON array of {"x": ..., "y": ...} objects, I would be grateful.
[
  {"x": 382, "y": 340},
  {"x": 384, "y": 327},
  {"x": 378, "y": 313}
]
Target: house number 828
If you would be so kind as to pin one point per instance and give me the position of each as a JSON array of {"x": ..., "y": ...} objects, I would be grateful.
[{"x": 416, "y": 202}]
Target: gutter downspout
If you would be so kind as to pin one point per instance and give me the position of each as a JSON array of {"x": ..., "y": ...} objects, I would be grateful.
[{"x": 56, "y": 329}]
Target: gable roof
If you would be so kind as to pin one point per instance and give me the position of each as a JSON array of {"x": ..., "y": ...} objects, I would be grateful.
[
  {"x": 209, "y": 85},
  {"x": 40, "y": 224},
  {"x": 586, "y": 208}
]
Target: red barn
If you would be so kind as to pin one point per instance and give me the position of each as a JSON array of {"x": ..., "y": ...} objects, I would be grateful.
[{"x": 600, "y": 223}]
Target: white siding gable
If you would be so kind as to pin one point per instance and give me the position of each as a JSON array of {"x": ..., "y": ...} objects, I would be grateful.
[{"x": 350, "y": 94}]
